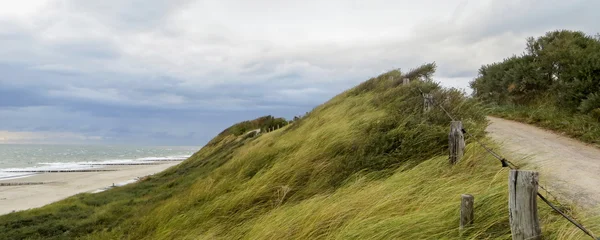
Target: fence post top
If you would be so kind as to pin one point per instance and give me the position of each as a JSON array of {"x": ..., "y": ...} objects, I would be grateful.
[
  {"x": 525, "y": 171},
  {"x": 456, "y": 124}
]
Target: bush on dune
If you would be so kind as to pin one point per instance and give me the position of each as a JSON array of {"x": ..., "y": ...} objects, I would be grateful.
[{"x": 554, "y": 84}]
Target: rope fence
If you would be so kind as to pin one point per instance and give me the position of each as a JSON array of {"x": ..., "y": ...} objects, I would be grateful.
[{"x": 508, "y": 164}]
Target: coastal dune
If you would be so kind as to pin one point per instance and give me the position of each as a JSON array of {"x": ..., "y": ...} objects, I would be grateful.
[{"x": 45, "y": 188}]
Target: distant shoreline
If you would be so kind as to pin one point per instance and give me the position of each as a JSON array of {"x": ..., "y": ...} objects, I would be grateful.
[{"x": 46, "y": 188}]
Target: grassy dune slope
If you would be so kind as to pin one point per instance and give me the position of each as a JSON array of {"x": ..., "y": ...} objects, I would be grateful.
[{"x": 368, "y": 164}]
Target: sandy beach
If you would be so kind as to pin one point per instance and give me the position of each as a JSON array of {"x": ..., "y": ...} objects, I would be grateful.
[{"x": 62, "y": 185}]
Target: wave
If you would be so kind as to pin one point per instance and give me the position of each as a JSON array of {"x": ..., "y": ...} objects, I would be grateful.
[
  {"x": 50, "y": 166},
  {"x": 121, "y": 161}
]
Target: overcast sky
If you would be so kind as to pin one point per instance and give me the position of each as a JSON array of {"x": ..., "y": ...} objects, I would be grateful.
[{"x": 177, "y": 72}]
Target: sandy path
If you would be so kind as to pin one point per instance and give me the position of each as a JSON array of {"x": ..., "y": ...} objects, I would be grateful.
[
  {"x": 567, "y": 167},
  {"x": 67, "y": 184}
]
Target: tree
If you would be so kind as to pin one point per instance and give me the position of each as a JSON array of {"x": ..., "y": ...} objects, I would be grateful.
[{"x": 562, "y": 64}]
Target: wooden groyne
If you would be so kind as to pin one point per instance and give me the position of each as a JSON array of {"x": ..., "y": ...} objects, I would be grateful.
[
  {"x": 120, "y": 164},
  {"x": 61, "y": 171},
  {"x": 163, "y": 160},
  {"x": 8, "y": 184}
]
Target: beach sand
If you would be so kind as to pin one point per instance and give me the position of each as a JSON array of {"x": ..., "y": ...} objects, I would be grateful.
[{"x": 63, "y": 185}]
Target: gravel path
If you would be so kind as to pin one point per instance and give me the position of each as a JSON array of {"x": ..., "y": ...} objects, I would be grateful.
[{"x": 569, "y": 168}]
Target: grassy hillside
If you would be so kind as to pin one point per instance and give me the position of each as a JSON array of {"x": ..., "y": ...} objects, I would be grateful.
[
  {"x": 554, "y": 84},
  {"x": 368, "y": 164}
]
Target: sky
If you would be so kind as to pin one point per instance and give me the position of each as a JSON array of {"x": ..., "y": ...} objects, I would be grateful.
[{"x": 177, "y": 72}]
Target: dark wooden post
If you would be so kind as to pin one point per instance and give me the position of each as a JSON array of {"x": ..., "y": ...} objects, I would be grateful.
[
  {"x": 466, "y": 210},
  {"x": 522, "y": 205},
  {"x": 427, "y": 102},
  {"x": 456, "y": 142}
]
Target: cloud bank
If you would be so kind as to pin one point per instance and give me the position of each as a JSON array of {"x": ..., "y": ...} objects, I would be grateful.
[{"x": 178, "y": 72}]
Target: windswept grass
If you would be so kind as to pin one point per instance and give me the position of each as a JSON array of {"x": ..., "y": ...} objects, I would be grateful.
[
  {"x": 417, "y": 203},
  {"x": 368, "y": 164}
]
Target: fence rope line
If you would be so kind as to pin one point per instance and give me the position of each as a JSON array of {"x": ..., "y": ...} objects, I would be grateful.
[
  {"x": 548, "y": 192},
  {"x": 578, "y": 225},
  {"x": 510, "y": 165},
  {"x": 504, "y": 161}
]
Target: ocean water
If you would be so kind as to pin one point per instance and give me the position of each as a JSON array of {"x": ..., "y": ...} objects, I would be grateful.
[{"x": 74, "y": 157}]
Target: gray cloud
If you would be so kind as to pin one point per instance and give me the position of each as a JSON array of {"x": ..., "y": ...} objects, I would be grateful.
[
  {"x": 128, "y": 15},
  {"x": 178, "y": 72}
]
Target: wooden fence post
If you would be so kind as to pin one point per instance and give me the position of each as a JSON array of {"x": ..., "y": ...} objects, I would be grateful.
[
  {"x": 427, "y": 102},
  {"x": 466, "y": 210},
  {"x": 522, "y": 205},
  {"x": 456, "y": 141},
  {"x": 405, "y": 81}
]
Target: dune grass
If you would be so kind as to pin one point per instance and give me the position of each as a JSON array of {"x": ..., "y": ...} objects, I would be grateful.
[
  {"x": 368, "y": 164},
  {"x": 417, "y": 203}
]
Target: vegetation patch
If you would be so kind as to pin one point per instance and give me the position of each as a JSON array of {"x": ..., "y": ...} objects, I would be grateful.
[{"x": 580, "y": 126}]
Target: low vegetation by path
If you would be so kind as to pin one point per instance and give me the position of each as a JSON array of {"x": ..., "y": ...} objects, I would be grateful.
[{"x": 580, "y": 126}]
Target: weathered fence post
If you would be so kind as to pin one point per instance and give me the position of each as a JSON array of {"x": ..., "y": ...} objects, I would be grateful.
[
  {"x": 427, "y": 102},
  {"x": 522, "y": 205},
  {"x": 456, "y": 141},
  {"x": 466, "y": 210},
  {"x": 405, "y": 81}
]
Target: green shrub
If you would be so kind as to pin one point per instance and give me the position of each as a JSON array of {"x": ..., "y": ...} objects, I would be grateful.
[
  {"x": 562, "y": 64},
  {"x": 591, "y": 103}
]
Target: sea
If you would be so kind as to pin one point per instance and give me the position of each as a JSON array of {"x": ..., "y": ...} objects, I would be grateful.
[{"x": 17, "y": 159}]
